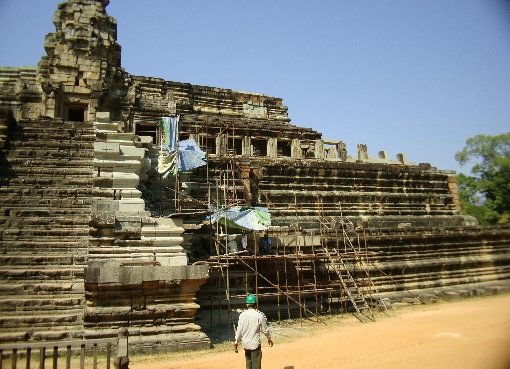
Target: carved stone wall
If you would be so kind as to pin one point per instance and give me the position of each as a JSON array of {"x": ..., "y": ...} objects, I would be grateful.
[
  {"x": 20, "y": 93},
  {"x": 156, "y": 303}
]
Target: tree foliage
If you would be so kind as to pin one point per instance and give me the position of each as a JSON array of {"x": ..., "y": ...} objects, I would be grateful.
[{"x": 486, "y": 193}]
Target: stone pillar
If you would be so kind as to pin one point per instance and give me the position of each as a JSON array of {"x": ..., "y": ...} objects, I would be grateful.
[
  {"x": 245, "y": 178},
  {"x": 295, "y": 149},
  {"x": 221, "y": 145},
  {"x": 246, "y": 146},
  {"x": 454, "y": 190},
  {"x": 362, "y": 152},
  {"x": 342, "y": 150},
  {"x": 402, "y": 158},
  {"x": 330, "y": 152},
  {"x": 319, "y": 149},
  {"x": 122, "y": 359},
  {"x": 272, "y": 148}
]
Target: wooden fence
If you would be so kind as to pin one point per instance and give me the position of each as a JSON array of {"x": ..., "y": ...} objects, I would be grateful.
[{"x": 21, "y": 355}]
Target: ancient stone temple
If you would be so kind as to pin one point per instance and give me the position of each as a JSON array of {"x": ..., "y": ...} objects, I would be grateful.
[{"x": 96, "y": 236}]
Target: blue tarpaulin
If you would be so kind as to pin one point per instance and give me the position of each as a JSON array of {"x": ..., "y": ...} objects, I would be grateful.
[
  {"x": 186, "y": 156},
  {"x": 190, "y": 155},
  {"x": 245, "y": 218}
]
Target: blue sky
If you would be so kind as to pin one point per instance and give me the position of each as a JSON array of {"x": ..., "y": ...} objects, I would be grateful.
[{"x": 413, "y": 76}]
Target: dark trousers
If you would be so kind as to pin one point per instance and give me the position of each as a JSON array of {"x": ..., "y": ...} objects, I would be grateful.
[{"x": 253, "y": 358}]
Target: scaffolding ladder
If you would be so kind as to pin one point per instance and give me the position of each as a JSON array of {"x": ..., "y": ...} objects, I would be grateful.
[
  {"x": 361, "y": 258},
  {"x": 335, "y": 262}
]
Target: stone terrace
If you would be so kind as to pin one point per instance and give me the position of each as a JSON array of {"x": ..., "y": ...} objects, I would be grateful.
[{"x": 46, "y": 193}]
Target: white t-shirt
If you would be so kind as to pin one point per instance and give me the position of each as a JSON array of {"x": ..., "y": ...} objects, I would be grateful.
[{"x": 251, "y": 323}]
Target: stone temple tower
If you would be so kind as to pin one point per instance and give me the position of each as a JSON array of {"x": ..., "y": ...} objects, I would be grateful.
[{"x": 83, "y": 62}]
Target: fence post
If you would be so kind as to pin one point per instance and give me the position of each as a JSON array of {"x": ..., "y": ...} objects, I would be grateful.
[{"x": 122, "y": 359}]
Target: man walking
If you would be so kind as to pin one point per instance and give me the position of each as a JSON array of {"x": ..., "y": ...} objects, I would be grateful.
[{"x": 251, "y": 323}]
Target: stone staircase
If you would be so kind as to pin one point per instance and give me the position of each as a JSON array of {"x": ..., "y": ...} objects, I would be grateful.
[
  {"x": 137, "y": 274},
  {"x": 46, "y": 186},
  {"x": 122, "y": 227}
]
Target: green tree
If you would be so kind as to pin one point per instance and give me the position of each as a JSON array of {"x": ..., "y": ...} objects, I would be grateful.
[{"x": 486, "y": 193}]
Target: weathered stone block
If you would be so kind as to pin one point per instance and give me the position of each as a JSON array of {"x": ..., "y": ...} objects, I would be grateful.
[
  {"x": 103, "y": 117},
  {"x": 102, "y": 219}
]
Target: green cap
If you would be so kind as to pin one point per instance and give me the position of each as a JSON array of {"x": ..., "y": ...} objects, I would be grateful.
[{"x": 251, "y": 299}]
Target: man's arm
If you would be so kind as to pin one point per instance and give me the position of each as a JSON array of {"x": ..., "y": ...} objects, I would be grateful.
[
  {"x": 238, "y": 331},
  {"x": 265, "y": 329}
]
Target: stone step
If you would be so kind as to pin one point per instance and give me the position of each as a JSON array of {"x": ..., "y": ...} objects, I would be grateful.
[
  {"x": 64, "y": 232},
  {"x": 122, "y": 163},
  {"x": 27, "y": 331},
  {"x": 49, "y": 155},
  {"x": 55, "y": 191},
  {"x": 363, "y": 198},
  {"x": 83, "y": 181},
  {"x": 286, "y": 213},
  {"x": 162, "y": 231},
  {"x": 52, "y": 259},
  {"x": 73, "y": 162},
  {"x": 25, "y": 303},
  {"x": 54, "y": 125},
  {"x": 53, "y": 172},
  {"x": 47, "y": 246},
  {"x": 63, "y": 287},
  {"x": 126, "y": 138},
  {"x": 110, "y": 241},
  {"x": 53, "y": 133},
  {"x": 56, "y": 319},
  {"x": 49, "y": 146},
  {"x": 108, "y": 127},
  {"x": 49, "y": 141},
  {"x": 23, "y": 334},
  {"x": 388, "y": 288},
  {"x": 55, "y": 272},
  {"x": 43, "y": 161},
  {"x": 68, "y": 196},
  {"x": 47, "y": 207},
  {"x": 134, "y": 251},
  {"x": 39, "y": 197},
  {"x": 44, "y": 222},
  {"x": 331, "y": 182},
  {"x": 35, "y": 134},
  {"x": 44, "y": 211}
]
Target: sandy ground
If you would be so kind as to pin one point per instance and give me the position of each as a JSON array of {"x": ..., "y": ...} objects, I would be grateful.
[{"x": 470, "y": 334}]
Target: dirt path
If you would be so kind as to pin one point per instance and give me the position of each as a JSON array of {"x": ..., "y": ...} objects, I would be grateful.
[{"x": 471, "y": 334}]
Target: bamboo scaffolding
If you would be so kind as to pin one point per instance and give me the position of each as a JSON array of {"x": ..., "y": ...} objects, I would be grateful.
[{"x": 306, "y": 288}]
